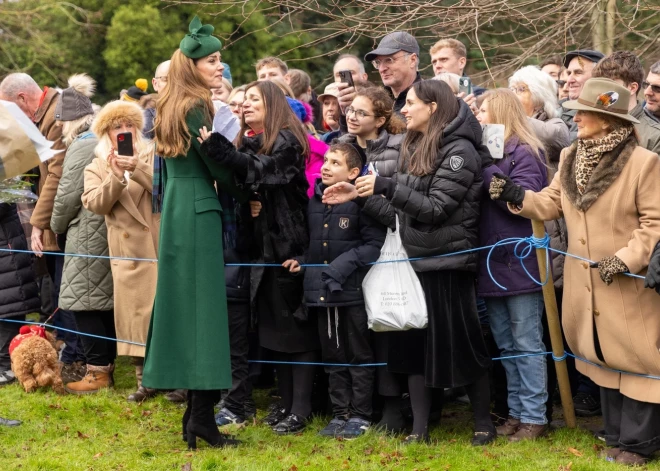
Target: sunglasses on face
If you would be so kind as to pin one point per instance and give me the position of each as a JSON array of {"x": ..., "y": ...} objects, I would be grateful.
[
  {"x": 654, "y": 88},
  {"x": 560, "y": 83}
]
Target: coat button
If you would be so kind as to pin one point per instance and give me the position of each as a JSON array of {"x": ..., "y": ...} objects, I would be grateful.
[
  {"x": 325, "y": 261},
  {"x": 582, "y": 241},
  {"x": 145, "y": 229},
  {"x": 596, "y": 312},
  {"x": 588, "y": 289},
  {"x": 585, "y": 265},
  {"x": 132, "y": 266},
  {"x": 325, "y": 225},
  {"x": 322, "y": 298},
  {"x": 325, "y": 244},
  {"x": 125, "y": 234}
]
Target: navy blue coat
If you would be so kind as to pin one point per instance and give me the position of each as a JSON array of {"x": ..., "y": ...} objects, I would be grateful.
[
  {"x": 348, "y": 239},
  {"x": 498, "y": 223}
]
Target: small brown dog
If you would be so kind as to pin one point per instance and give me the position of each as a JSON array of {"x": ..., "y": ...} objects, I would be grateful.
[{"x": 34, "y": 359}]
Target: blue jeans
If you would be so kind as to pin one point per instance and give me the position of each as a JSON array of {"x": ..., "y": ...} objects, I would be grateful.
[{"x": 516, "y": 325}]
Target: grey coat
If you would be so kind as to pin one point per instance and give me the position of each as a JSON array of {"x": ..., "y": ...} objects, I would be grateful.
[
  {"x": 648, "y": 129},
  {"x": 86, "y": 282},
  {"x": 382, "y": 152}
]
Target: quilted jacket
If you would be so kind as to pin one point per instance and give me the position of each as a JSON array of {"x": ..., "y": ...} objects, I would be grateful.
[{"x": 86, "y": 282}]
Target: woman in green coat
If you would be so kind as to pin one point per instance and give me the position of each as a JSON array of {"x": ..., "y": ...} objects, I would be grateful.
[{"x": 188, "y": 342}]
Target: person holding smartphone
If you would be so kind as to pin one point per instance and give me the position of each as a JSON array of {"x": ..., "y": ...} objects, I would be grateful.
[{"x": 118, "y": 185}]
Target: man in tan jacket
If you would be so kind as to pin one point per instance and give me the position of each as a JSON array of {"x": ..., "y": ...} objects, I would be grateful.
[{"x": 39, "y": 106}]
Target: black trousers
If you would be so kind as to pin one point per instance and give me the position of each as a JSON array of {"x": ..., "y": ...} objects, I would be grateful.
[
  {"x": 8, "y": 330},
  {"x": 98, "y": 352},
  {"x": 629, "y": 424},
  {"x": 239, "y": 322},
  {"x": 345, "y": 338}
]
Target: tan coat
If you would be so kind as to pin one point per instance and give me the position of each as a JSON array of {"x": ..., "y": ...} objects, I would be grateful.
[
  {"x": 619, "y": 214},
  {"x": 132, "y": 232},
  {"x": 50, "y": 171}
]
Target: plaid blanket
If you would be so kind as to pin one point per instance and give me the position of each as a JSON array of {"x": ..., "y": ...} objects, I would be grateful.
[
  {"x": 157, "y": 191},
  {"x": 229, "y": 223}
]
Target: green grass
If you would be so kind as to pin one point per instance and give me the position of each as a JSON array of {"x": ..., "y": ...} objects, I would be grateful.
[{"x": 105, "y": 432}]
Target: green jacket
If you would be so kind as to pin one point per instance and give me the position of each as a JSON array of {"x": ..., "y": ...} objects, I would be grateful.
[
  {"x": 86, "y": 282},
  {"x": 188, "y": 341}
]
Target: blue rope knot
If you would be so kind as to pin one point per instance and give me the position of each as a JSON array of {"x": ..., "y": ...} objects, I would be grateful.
[
  {"x": 524, "y": 247},
  {"x": 561, "y": 358}
]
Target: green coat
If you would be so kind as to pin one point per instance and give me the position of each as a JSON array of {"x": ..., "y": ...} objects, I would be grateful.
[{"x": 188, "y": 341}]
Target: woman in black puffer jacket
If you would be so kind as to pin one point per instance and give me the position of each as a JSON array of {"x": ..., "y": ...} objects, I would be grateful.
[
  {"x": 19, "y": 294},
  {"x": 435, "y": 196}
]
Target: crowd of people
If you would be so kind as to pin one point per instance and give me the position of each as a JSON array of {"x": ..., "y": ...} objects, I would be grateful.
[{"x": 224, "y": 251}]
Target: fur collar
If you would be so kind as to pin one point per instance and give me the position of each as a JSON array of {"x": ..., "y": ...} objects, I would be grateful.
[{"x": 607, "y": 171}]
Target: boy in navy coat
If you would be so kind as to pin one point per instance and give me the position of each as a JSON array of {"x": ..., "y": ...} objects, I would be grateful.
[{"x": 347, "y": 240}]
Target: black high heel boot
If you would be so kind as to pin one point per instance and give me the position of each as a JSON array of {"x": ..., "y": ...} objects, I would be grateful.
[
  {"x": 202, "y": 422},
  {"x": 186, "y": 417}
]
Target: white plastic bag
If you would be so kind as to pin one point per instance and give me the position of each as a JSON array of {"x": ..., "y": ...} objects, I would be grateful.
[{"x": 393, "y": 294}]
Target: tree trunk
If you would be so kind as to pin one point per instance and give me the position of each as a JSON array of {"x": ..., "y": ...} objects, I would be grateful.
[{"x": 610, "y": 19}]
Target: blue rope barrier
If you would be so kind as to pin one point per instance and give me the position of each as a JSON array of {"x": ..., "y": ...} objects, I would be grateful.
[{"x": 347, "y": 365}]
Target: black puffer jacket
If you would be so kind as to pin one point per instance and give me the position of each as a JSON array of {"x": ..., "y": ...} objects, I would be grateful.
[
  {"x": 439, "y": 213},
  {"x": 348, "y": 239},
  {"x": 19, "y": 293},
  {"x": 382, "y": 152}
]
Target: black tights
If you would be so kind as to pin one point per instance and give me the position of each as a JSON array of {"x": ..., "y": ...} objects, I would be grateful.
[
  {"x": 421, "y": 398},
  {"x": 295, "y": 382}
]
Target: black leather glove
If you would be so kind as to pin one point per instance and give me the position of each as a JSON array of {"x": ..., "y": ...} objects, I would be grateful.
[
  {"x": 502, "y": 188},
  {"x": 610, "y": 266},
  {"x": 653, "y": 274},
  {"x": 221, "y": 150}
]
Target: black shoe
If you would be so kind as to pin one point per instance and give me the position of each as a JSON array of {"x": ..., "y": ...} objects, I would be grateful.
[
  {"x": 186, "y": 416},
  {"x": 8, "y": 377},
  {"x": 276, "y": 414},
  {"x": 9, "y": 423},
  {"x": 483, "y": 438},
  {"x": 416, "y": 438},
  {"x": 202, "y": 422},
  {"x": 292, "y": 424},
  {"x": 586, "y": 405},
  {"x": 333, "y": 428}
]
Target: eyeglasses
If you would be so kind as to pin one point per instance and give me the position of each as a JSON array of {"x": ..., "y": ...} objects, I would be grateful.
[
  {"x": 519, "y": 90},
  {"x": 560, "y": 83},
  {"x": 654, "y": 88},
  {"x": 234, "y": 104},
  {"x": 358, "y": 113},
  {"x": 388, "y": 61},
  {"x": 162, "y": 78}
]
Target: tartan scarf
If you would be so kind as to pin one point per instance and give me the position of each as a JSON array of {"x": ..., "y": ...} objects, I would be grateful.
[
  {"x": 229, "y": 222},
  {"x": 157, "y": 190}
]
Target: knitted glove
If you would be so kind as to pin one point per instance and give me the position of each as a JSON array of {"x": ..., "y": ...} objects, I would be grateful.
[
  {"x": 502, "y": 188},
  {"x": 222, "y": 151},
  {"x": 653, "y": 274},
  {"x": 610, "y": 266}
]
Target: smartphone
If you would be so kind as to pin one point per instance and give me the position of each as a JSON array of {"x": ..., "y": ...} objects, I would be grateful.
[
  {"x": 345, "y": 76},
  {"x": 465, "y": 85},
  {"x": 125, "y": 143}
]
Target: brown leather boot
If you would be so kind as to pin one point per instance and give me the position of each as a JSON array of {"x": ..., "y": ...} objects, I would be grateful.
[
  {"x": 97, "y": 377},
  {"x": 629, "y": 458},
  {"x": 529, "y": 432},
  {"x": 142, "y": 393},
  {"x": 509, "y": 427}
]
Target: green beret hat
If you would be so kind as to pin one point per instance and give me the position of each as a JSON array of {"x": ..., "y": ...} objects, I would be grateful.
[{"x": 199, "y": 42}]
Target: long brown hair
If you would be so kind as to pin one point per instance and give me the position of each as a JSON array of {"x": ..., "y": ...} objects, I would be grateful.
[
  {"x": 278, "y": 115},
  {"x": 382, "y": 104},
  {"x": 420, "y": 150},
  {"x": 186, "y": 89},
  {"x": 505, "y": 108}
]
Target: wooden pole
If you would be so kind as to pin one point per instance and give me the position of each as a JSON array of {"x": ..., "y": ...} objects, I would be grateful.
[{"x": 554, "y": 327}]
